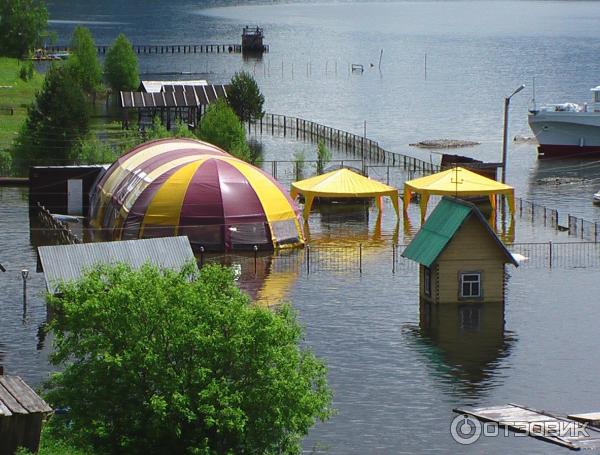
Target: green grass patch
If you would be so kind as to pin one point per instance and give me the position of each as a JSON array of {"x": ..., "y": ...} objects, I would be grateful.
[{"x": 15, "y": 94}]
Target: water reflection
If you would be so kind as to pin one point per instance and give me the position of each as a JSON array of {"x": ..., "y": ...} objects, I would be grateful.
[
  {"x": 464, "y": 343},
  {"x": 267, "y": 278}
]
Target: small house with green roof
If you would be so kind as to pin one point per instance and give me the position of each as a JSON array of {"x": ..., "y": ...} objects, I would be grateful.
[{"x": 461, "y": 258}]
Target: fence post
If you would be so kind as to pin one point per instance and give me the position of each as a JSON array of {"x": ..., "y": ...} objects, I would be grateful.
[
  {"x": 201, "y": 256},
  {"x": 581, "y": 228},
  {"x": 255, "y": 248},
  {"x": 550, "y": 252},
  {"x": 308, "y": 259},
  {"x": 360, "y": 258},
  {"x": 393, "y": 258}
]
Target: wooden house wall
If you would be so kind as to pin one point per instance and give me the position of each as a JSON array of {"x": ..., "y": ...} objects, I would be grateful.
[
  {"x": 471, "y": 250},
  {"x": 20, "y": 430}
]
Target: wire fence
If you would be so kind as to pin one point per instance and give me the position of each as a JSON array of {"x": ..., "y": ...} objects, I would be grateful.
[
  {"x": 359, "y": 258},
  {"x": 352, "y": 144}
]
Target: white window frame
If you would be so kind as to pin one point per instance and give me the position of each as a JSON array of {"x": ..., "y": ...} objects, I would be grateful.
[{"x": 470, "y": 282}]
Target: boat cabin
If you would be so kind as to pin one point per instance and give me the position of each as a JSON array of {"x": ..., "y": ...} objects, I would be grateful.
[{"x": 461, "y": 258}]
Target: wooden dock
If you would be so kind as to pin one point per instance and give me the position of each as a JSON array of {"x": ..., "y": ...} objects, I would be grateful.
[
  {"x": 167, "y": 48},
  {"x": 565, "y": 431}
]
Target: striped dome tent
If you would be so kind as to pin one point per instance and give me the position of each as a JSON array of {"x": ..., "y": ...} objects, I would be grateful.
[{"x": 188, "y": 187}]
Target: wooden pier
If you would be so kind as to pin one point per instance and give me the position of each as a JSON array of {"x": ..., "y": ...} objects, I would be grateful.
[
  {"x": 569, "y": 432},
  {"x": 168, "y": 48}
]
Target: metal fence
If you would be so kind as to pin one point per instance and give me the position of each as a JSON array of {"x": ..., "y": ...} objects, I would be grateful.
[
  {"x": 358, "y": 146},
  {"x": 358, "y": 259},
  {"x": 537, "y": 213}
]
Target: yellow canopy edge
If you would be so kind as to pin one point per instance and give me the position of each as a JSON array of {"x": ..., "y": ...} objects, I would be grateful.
[
  {"x": 457, "y": 182},
  {"x": 342, "y": 183}
]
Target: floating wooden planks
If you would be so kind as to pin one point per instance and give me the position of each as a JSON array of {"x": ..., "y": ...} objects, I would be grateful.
[{"x": 564, "y": 431}]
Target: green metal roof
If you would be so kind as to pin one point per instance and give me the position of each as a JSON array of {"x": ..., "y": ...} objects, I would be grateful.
[{"x": 437, "y": 231}]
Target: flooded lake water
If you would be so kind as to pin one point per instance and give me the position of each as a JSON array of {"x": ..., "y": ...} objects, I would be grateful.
[{"x": 397, "y": 371}]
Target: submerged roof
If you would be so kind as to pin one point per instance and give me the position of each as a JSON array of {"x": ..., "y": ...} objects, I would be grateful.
[
  {"x": 441, "y": 226},
  {"x": 342, "y": 183},
  {"x": 65, "y": 263},
  {"x": 457, "y": 181}
]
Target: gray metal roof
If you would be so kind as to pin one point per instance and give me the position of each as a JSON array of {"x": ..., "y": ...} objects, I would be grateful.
[{"x": 65, "y": 263}]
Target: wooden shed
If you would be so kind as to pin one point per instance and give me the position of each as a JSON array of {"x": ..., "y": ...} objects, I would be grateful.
[
  {"x": 22, "y": 413},
  {"x": 461, "y": 258}
]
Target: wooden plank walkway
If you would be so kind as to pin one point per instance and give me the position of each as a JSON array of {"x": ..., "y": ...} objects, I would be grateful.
[{"x": 563, "y": 431}]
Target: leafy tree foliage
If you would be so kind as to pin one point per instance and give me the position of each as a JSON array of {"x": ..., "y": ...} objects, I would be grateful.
[
  {"x": 158, "y": 362},
  {"x": 245, "y": 98},
  {"x": 56, "y": 121},
  {"x": 221, "y": 126},
  {"x": 121, "y": 66},
  {"x": 84, "y": 60},
  {"x": 22, "y": 26}
]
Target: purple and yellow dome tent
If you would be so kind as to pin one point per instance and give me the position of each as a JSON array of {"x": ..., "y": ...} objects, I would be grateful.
[{"x": 187, "y": 187}]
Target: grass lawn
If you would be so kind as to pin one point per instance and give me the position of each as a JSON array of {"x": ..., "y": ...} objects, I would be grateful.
[{"x": 17, "y": 94}]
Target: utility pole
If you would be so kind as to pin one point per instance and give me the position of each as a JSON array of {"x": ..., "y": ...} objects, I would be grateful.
[{"x": 505, "y": 131}]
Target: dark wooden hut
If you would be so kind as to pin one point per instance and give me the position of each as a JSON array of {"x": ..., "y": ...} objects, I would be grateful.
[{"x": 22, "y": 413}]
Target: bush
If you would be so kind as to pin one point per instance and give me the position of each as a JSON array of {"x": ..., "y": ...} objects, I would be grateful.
[
  {"x": 157, "y": 362},
  {"x": 26, "y": 71},
  {"x": 323, "y": 156},
  {"x": 5, "y": 163},
  {"x": 94, "y": 151},
  {"x": 221, "y": 127}
]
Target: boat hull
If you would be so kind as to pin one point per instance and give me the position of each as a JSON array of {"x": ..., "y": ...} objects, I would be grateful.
[{"x": 566, "y": 134}]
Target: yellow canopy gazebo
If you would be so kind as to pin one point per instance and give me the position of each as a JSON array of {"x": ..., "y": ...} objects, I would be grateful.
[
  {"x": 459, "y": 182},
  {"x": 342, "y": 183}
]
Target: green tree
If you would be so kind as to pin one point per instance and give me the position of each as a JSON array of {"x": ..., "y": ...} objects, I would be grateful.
[
  {"x": 157, "y": 361},
  {"x": 84, "y": 60},
  {"x": 121, "y": 66},
  {"x": 56, "y": 122},
  {"x": 245, "y": 98},
  {"x": 22, "y": 26},
  {"x": 221, "y": 126}
]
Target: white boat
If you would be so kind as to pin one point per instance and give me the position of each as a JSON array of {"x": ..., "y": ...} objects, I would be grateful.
[
  {"x": 596, "y": 198},
  {"x": 567, "y": 130}
]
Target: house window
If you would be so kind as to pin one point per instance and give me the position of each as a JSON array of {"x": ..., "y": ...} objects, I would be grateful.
[
  {"x": 427, "y": 281},
  {"x": 470, "y": 285}
]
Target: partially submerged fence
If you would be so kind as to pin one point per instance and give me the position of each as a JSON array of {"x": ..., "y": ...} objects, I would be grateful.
[
  {"x": 358, "y": 146},
  {"x": 359, "y": 258},
  {"x": 56, "y": 230}
]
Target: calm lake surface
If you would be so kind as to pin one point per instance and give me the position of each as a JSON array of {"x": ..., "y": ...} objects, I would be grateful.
[{"x": 396, "y": 379}]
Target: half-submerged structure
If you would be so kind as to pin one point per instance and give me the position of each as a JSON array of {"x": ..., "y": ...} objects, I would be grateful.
[
  {"x": 173, "y": 187},
  {"x": 22, "y": 414},
  {"x": 457, "y": 182},
  {"x": 461, "y": 258},
  {"x": 340, "y": 184}
]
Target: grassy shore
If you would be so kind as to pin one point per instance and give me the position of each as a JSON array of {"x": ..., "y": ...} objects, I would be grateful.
[{"x": 16, "y": 94}]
